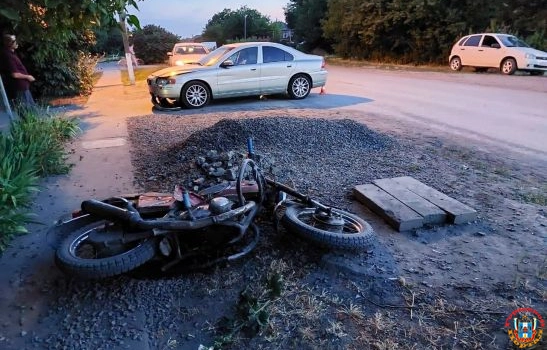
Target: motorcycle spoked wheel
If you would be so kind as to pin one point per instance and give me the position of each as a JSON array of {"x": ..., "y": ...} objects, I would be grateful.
[
  {"x": 355, "y": 234},
  {"x": 78, "y": 256}
]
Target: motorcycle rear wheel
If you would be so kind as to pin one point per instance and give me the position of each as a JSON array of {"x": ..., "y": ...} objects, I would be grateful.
[
  {"x": 356, "y": 232},
  {"x": 79, "y": 257}
]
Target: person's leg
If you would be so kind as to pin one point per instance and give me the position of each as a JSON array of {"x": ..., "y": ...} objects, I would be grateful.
[{"x": 25, "y": 98}]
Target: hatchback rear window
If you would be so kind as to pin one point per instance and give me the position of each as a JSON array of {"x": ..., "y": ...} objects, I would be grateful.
[{"x": 473, "y": 40}]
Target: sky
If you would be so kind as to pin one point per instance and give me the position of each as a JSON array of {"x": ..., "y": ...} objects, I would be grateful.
[{"x": 187, "y": 18}]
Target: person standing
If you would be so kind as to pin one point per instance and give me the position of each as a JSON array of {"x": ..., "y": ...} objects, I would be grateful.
[
  {"x": 14, "y": 72},
  {"x": 133, "y": 56}
]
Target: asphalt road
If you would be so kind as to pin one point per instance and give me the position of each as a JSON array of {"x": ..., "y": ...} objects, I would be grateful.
[{"x": 508, "y": 111}]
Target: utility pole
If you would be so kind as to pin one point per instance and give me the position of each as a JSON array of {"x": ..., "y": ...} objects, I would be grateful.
[
  {"x": 128, "y": 57},
  {"x": 245, "y": 28}
]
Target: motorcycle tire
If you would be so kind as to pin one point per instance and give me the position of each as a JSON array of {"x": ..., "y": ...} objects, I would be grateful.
[
  {"x": 356, "y": 234},
  {"x": 131, "y": 257}
]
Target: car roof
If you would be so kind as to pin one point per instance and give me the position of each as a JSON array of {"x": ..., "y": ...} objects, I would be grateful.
[
  {"x": 504, "y": 34},
  {"x": 260, "y": 43},
  {"x": 188, "y": 44}
]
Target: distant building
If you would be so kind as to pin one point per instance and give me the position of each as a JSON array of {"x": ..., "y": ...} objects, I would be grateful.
[{"x": 286, "y": 33}]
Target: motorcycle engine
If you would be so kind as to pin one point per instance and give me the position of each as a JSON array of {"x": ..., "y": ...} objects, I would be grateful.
[{"x": 219, "y": 205}]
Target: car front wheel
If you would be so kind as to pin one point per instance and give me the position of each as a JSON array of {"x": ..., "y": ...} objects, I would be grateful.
[
  {"x": 299, "y": 86},
  {"x": 456, "y": 63},
  {"x": 508, "y": 66},
  {"x": 195, "y": 94}
]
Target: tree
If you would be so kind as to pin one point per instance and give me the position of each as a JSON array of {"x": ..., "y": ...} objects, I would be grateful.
[
  {"x": 229, "y": 25},
  {"x": 305, "y": 18},
  {"x": 153, "y": 42},
  {"x": 421, "y": 31},
  {"x": 56, "y": 37}
]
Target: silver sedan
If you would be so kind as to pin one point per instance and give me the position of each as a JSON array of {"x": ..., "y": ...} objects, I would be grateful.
[{"x": 242, "y": 69}]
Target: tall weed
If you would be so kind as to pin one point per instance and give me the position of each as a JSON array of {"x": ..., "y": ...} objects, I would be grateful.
[{"x": 33, "y": 148}]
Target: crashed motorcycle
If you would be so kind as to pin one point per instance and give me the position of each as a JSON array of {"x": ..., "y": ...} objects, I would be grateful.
[{"x": 195, "y": 229}]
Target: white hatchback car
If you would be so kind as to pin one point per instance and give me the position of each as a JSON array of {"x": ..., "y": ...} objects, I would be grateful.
[
  {"x": 234, "y": 70},
  {"x": 184, "y": 53},
  {"x": 493, "y": 50}
]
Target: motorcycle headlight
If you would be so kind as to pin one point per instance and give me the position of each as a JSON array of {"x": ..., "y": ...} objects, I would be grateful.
[{"x": 530, "y": 56}]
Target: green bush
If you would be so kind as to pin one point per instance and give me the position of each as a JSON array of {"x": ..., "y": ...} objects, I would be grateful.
[
  {"x": 33, "y": 148},
  {"x": 152, "y": 43}
]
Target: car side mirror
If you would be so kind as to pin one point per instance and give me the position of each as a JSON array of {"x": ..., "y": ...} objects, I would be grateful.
[
  {"x": 227, "y": 63},
  {"x": 495, "y": 46}
]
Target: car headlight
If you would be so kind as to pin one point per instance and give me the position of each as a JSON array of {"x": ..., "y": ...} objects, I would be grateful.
[
  {"x": 165, "y": 81},
  {"x": 530, "y": 56}
]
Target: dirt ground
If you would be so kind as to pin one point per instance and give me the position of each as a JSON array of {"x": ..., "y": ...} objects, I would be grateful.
[{"x": 440, "y": 287}]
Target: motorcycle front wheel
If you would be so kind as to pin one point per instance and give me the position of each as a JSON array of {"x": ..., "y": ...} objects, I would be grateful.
[
  {"x": 83, "y": 255},
  {"x": 350, "y": 233}
]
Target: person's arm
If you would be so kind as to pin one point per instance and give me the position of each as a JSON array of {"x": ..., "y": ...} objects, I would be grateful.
[{"x": 18, "y": 75}]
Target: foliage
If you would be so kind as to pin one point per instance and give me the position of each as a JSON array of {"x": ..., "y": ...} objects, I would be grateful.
[
  {"x": 305, "y": 18},
  {"x": 152, "y": 43},
  {"x": 252, "y": 312},
  {"x": 108, "y": 41},
  {"x": 34, "y": 147},
  {"x": 228, "y": 26},
  {"x": 413, "y": 31},
  {"x": 41, "y": 136},
  {"x": 18, "y": 180},
  {"x": 51, "y": 35}
]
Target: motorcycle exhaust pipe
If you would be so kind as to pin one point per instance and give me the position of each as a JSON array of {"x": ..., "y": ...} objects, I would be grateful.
[{"x": 109, "y": 211}]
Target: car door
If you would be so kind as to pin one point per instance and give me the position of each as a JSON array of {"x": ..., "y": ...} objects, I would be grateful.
[
  {"x": 469, "y": 51},
  {"x": 277, "y": 68},
  {"x": 242, "y": 77},
  {"x": 490, "y": 53}
]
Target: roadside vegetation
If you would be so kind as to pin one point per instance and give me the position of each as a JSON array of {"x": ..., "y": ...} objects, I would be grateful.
[{"x": 33, "y": 148}]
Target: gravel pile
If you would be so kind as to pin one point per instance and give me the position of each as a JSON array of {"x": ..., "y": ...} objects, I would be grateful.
[{"x": 324, "y": 157}]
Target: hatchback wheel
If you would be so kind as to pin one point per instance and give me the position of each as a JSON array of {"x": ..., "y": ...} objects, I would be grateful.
[
  {"x": 195, "y": 94},
  {"x": 299, "y": 86},
  {"x": 508, "y": 66},
  {"x": 456, "y": 63}
]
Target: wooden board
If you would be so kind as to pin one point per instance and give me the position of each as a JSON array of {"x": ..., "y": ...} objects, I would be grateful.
[
  {"x": 431, "y": 213},
  {"x": 457, "y": 212},
  {"x": 397, "y": 214}
]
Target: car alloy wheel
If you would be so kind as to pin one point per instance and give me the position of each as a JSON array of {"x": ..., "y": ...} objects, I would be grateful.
[
  {"x": 508, "y": 66},
  {"x": 300, "y": 86},
  {"x": 456, "y": 64},
  {"x": 195, "y": 94}
]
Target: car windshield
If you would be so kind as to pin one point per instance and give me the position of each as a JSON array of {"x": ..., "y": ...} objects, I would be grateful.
[
  {"x": 213, "y": 57},
  {"x": 190, "y": 50},
  {"x": 512, "y": 41}
]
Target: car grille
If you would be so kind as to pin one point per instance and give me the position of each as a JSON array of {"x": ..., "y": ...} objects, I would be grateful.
[{"x": 542, "y": 58}]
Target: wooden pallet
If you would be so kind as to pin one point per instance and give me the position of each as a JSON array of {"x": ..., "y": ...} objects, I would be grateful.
[{"x": 406, "y": 203}]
